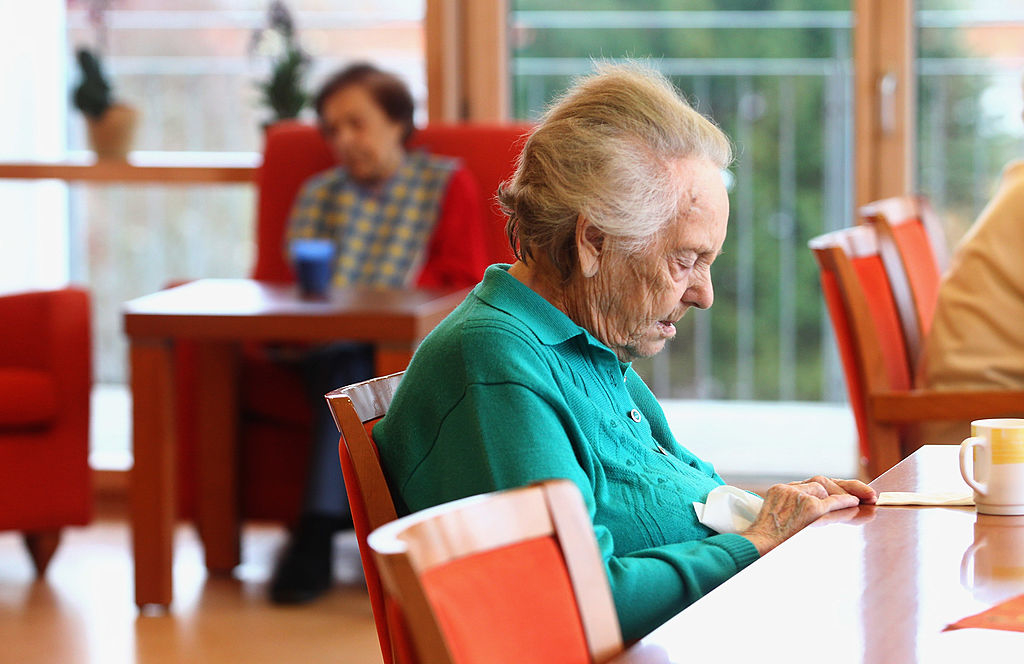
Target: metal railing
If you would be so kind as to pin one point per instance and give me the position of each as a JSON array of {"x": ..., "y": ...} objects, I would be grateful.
[{"x": 768, "y": 335}]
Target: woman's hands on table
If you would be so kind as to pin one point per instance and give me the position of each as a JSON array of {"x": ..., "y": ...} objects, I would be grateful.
[{"x": 788, "y": 508}]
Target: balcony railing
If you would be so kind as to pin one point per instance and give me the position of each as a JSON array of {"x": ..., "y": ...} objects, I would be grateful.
[{"x": 790, "y": 118}]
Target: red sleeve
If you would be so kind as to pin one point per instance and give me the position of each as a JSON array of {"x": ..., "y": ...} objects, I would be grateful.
[{"x": 457, "y": 255}]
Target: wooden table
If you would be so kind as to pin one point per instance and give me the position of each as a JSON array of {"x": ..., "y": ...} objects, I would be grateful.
[
  {"x": 217, "y": 314},
  {"x": 867, "y": 585}
]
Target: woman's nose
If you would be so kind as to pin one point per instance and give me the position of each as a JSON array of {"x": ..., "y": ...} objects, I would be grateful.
[{"x": 700, "y": 294}]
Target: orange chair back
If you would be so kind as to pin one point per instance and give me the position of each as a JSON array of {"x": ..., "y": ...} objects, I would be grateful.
[
  {"x": 511, "y": 576},
  {"x": 294, "y": 151},
  {"x": 867, "y": 326},
  {"x": 913, "y": 249},
  {"x": 468, "y": 603},
  {"x": 862, "y": 299},
  {"x": 356, "y": 409}
]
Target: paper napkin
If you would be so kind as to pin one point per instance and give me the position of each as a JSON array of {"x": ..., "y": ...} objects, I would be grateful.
[
  {"x": 947, "y": 498},
  {"x": 728, "y": 509}
]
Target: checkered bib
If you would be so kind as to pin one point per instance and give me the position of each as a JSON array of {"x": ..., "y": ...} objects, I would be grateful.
[{"x": 381, "y": 234}]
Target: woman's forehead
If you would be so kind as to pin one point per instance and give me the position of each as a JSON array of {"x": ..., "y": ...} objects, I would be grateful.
[{"x": 703, "y": 209}]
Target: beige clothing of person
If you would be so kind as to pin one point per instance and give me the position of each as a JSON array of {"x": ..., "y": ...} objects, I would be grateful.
[{"x": 977, "y": 336}]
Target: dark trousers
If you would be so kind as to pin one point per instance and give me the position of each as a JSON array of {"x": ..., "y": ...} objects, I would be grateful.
[{"x": 326, "y": 368}]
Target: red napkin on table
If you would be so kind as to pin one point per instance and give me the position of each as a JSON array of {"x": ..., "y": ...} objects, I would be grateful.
[{"x": 1008, "y": 615}]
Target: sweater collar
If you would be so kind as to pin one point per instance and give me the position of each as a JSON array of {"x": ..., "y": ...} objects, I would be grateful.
[{"x": 502, "y": 291}]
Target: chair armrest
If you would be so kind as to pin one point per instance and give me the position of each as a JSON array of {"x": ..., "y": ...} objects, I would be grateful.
[{"x": 922, "y": 405}]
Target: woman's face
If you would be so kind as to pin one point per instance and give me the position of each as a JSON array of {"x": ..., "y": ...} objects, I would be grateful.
[
  {"x": 636, "y": 299},
  {"x": 361, "y": 134}
]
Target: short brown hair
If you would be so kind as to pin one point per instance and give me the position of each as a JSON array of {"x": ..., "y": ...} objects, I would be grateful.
[{"x": 386, "y": 89}]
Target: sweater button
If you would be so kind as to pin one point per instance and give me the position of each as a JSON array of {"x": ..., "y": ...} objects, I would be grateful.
[{"x": 635, "y": 415}]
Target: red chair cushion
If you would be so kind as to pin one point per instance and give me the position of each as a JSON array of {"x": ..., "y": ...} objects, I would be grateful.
[
  {"x": 28, "y": 398},
  {"x": 513, "y": 604}
]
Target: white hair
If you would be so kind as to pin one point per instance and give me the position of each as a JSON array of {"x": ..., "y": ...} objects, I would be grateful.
[{"x": 605, "y": 149}]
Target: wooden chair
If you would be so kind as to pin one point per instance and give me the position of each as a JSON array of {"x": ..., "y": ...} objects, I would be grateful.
[
  {"x": 356, "y": 409},
  {"x": 875, "y": 357},
  {"x": 510, "y": 576},
  {"x": 915, "y": 255}
]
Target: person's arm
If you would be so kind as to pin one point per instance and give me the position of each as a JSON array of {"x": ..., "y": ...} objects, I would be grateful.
[
  {"x": 457, "y": 253},
  {"x": 506, "y": 435}
]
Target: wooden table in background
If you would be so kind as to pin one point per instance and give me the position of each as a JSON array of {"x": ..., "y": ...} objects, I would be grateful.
[
  {"x": 218, "y": 314},
  {"x": 872, "y": 585}
]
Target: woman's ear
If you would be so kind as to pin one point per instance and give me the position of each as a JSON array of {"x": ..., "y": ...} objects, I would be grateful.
[{"x": 589, "y": 241}]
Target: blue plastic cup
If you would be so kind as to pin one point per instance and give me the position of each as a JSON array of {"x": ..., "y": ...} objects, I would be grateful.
[{"x": 313, "y": 260}]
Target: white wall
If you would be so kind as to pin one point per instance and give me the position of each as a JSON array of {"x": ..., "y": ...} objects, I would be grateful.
[
  {"x": 767, "y": 439},
  {"x": 33, "y": 86}
]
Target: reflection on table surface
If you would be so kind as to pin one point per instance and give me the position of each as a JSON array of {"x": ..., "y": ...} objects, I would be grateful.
[{"x": 866, "y": 584}]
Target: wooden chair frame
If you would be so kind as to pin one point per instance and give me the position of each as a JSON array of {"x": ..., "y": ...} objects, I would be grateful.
[
  {"x": 890, "y": 412},
  {"x": 352, "y": 408},
  {"x": 411, "y": 545}
]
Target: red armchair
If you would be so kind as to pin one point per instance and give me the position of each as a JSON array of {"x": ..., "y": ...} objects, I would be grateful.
[
  {"x": 275, "y": 418},
  {"x": 45, "y": 378}
]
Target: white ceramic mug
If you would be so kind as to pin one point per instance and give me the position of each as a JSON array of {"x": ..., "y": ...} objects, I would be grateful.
[
  {"x": 992, "y": 568},
  {"x": 996, "y": 467}
]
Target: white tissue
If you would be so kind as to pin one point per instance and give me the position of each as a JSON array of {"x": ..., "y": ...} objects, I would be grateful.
[{"x": 728, "y": 509}]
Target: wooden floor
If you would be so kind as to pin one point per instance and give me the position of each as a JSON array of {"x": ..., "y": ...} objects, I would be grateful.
[{"x": 82, "y": 611}]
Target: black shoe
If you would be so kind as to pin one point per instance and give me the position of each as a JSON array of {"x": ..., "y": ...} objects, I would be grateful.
[{"x": 304, "y": 571}]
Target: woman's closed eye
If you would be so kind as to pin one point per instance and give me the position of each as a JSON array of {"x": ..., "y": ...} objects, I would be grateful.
[{"x": 682, "y": 266}]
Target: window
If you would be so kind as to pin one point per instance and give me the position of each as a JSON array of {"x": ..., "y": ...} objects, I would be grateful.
[
  {"x": 187, "y": 67},
  {"x": 969, "y": 103},
  {"x": 779, "y": 82}
]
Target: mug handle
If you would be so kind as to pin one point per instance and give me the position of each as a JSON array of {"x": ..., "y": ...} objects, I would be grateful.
[
  {"x": 967, "y": 562},
  {"x": 969, "y": 445}
]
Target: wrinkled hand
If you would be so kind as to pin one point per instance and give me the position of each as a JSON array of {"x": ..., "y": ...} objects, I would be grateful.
[
  {"x": 856, "y": 487},
  {"x": 789, "y": 507}
]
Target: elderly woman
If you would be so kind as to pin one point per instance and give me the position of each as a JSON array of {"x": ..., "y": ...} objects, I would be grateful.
[
  {"x": 397, "y": 218},
  {"x": 617, "y": 211}
]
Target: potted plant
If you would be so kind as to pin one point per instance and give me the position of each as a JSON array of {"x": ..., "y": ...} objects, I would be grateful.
[
  {"x": 111, "y": 126},
  {"x": 284, "y": 89}
]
